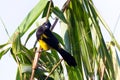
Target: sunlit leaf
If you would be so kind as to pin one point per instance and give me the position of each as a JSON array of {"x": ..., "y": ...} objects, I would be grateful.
[
  {"x": 4, "y": 52},
  {"x": 3, "y": 45},
  {"x": 4, "y": 48},
  {"x": 18, "y": 75},
  {"x": 59, "y": 14},
  {"x": 26, "y": 68},
  {"x": 16, "y": 45},
  {"x": 30, "y": 18}
]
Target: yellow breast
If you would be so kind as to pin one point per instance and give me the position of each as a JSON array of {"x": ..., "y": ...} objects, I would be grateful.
[{"x": 44, "y": 45}]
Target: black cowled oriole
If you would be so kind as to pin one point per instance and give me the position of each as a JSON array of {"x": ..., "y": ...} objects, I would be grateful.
[{"x": 47, "y": 40}]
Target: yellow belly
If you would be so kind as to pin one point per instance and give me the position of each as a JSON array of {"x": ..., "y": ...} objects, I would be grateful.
[{"x": 43, "y": 45}]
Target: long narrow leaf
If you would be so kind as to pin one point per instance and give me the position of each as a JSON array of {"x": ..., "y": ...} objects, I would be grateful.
[
  {"x": 31, "y": 17},
  {"x": 59, "y": 14}
]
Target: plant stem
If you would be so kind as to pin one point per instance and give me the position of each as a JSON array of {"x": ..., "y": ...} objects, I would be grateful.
[{"x": 37, "y": 55}]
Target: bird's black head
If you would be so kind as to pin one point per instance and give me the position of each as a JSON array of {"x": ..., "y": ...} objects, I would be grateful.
[
  {"x": 48, "y": 24},
  {"x": 41, "y": 29}
]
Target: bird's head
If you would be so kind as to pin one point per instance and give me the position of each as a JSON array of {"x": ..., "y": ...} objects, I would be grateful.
[{"x": 42, "y": 28}]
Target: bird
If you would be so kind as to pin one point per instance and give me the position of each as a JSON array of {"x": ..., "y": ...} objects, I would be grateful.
[{"x": 47, "y": 40}]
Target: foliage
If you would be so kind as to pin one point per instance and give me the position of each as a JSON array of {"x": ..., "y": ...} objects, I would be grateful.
[{"x": 82, "y": 38}]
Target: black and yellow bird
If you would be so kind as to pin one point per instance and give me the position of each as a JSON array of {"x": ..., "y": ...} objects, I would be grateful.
[{"x": 47, "y": 40}]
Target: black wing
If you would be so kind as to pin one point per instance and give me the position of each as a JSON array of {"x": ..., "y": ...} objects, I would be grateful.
[{"x": 51, "y": 40}]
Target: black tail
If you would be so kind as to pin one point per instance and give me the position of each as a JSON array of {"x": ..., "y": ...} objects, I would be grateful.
[{"x": 67, "y": 57}]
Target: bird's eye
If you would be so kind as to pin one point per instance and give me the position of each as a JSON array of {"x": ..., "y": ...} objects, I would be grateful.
[{"x": 46, "y": 26}]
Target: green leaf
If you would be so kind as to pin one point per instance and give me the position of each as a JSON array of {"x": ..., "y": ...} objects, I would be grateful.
[
  {"x": 26, "y": 68},
  {"x": 48, "y": 60},
  {"x": 29, "y": 54},
  {"x": 40, "y": 76},
  {"x": 4, "y": 27},
  {"x": 18, "y": 75},
  {"x": 55, "y": 54},
  {"x": 3, "y": 45},
  {"x": 4, "y": 48},
  {"x": 16, "y": 45},
  {"x": 59, "y": 38},
  {"x": 30, "y": 34},
  {"x": 46, "y": 9},
  {"x": 106, "y": 27},
  {"x": 59, "y": 14},
  {"x": 4, "y": 52},
  {"x": 30, "y": 19}
]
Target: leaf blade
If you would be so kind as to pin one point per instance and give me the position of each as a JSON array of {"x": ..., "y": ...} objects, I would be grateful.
[
  {"x": 59, "y": 14},
  {"x": 29, "y": 20}
]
